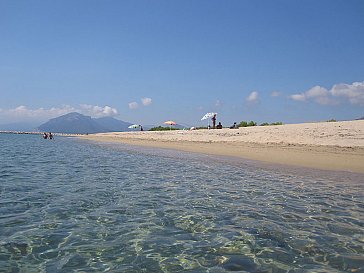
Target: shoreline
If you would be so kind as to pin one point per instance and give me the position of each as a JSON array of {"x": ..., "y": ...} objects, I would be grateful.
[{"x": 289, "y": 144}]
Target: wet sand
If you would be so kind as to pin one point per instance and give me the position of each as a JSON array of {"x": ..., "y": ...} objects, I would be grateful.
[{"x": 327, "y": 145}]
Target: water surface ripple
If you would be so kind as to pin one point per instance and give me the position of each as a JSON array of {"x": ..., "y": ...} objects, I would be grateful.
[{"x": 73, "y": 206}]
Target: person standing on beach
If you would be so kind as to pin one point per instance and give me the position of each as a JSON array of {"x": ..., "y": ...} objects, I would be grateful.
[{"x": 213, "y": 121}]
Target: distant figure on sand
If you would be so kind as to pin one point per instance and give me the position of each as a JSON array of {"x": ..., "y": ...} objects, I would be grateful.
[
  {"x": 219, "y": 126},
  {"x": 141, "y": 128},
  {"x": 234, "y": 126}
]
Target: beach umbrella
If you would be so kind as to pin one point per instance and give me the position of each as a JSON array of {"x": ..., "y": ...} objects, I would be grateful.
[
  {"x": 208, "y": 116},
  {"x": 134, "y": 126},
  {"x": 170, "y": 123}
]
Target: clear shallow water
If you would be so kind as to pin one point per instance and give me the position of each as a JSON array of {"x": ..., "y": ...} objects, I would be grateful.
[{"x": 74, "y": 206}]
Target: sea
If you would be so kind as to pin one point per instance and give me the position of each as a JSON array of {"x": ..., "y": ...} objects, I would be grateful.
[{"x": 71, "y": 205}]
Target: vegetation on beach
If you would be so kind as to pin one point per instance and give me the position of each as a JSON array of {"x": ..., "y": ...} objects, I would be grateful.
[
  {"x": 273, "y": 123},
  {"x": 331, "y": 120},
  {"x": 253, "y": 123},
  {"x": 161, "y": 128},
  {"x": 247, "y": 124}
]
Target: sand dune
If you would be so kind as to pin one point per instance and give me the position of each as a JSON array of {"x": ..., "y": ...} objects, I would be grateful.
[{"x": 328, "y": 145}]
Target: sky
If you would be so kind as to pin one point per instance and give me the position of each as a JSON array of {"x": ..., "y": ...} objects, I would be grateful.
[{"x": 146, "y": 61}]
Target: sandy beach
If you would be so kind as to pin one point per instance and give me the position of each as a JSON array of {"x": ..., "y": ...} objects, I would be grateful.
[{"x": 326, "y": 145}]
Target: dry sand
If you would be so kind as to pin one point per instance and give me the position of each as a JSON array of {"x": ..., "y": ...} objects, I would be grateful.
[{"x": 328, "y": 145}]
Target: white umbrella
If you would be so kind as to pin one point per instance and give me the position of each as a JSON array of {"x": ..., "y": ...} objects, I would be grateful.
[
  {"x": 208, "y": 116},
  {"x": 134, "y": 126}
]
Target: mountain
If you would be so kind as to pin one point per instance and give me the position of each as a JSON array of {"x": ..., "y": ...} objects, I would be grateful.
[
  {"x": 179, "y": 126},
  {"x": 113, "y": 124},
  {"x": 76, "y": 123},
  {"x": 362, "y": 118},
  {"x": 72, "y": 123}
]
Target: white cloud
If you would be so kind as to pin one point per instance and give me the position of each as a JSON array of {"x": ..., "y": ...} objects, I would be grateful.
[
  {"x": 146, "y": 101},
  {"x": 275, "y": 94},
  {"x": 353, "y": 92},
  {"x": 22, "y": 112},
  {"x": 320, "y": 95},
  {"x": 253, "y": 97},
  {"x": 133, "y": 105},
  {"x": 316, "y": 92},
  {"x": 218, "y": 103},
  {"x": 98, "y": 111},
  {"x": 298, "y": 97}
]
